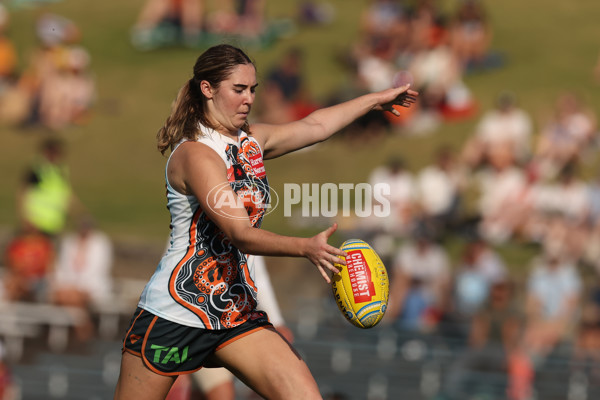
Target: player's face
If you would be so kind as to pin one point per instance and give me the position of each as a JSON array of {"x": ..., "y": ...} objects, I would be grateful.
[{"x": 234, "y": 98}]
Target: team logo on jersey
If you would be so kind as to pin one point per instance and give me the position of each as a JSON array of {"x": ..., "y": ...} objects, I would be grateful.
[{"x": 253, "y": 195}]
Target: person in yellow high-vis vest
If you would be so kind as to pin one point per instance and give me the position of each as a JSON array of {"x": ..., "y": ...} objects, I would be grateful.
[{"x": 46, "y": 195}]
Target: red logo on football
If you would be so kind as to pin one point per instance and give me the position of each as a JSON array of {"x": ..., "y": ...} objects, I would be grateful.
[{"x": 363, "y": 288}]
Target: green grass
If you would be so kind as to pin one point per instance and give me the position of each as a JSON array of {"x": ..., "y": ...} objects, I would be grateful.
[{"x": 550, "y": 46}]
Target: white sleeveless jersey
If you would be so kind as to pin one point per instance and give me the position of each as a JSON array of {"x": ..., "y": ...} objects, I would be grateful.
[{"x": 203, "y": 280}]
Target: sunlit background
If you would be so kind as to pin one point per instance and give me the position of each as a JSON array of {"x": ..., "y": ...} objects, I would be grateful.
[{"x": 535, "y": 53}]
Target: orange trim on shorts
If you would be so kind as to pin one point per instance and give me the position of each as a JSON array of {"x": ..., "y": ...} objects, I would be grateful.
[
  {"x": 190, "y": 371},
  {"x": 233, "y": 339},
  {"x": 144, "y": 359},
  {"x": 135, "y": 353},
  {"x": 132, "y": 325}
]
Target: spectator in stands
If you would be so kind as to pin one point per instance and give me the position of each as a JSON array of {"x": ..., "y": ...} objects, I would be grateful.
[
  {"x": 485, "y": 262},
  {"x": 592, "y": 246},
  {"x": 501, "y": 186},
  {"x": 438, "y": 75},
  {"x": 82, "y": 275},
  {"x": 479, "y": 269},
  {"x": 594, "y": 199},
  {"x": 8, "y": 54},
  {"x": 13, "y": 103},
  {"x": 440, "y": 186},
  {"x": 311, "y": 12},
  {"x": 505, "y": 125},
  {"x": 560, "y": 213},
  {"x": 185, "y": 16},
  {"x": 384, "y": 28},
  {"x": 53, "y": 33},
  {"x": 239, "y": 17},
  {"x": 45, "y": 196},
  {"x": 274, "y": 108},
  {"x": 373, "y": 70},
  {"x": 493, "y": 336},
  {"x": 285, "y": 97},
  {"x": 564, "y": 137},
  {"x": 587, "y": 342},
  {"x": 57, "y": 86},
  {"x": 250, "y": 17},
  {"x": 52, "y": 30},
  {"x": 412, "y": 37},
  {"x": 370, "y": 71},
  {"x": 470, "y": 33},
  {"x": 420, "y": 283},
  {"x": 29, "y": 259},
  {"x": 402, "y": 195},
  {"x": 425, "y": 28},
  {"x": 287, "y": 75},
  {"x": 554, "y": 293},
  {"x": 372, "y": 124},
  {"x": 67, "y": 97},
  {"x": 568, "y": 204}
]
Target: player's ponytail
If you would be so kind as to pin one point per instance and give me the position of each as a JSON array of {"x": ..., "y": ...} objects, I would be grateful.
[{"x": 183, "y": 121}]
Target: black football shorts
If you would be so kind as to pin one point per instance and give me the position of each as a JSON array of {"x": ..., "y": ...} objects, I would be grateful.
[{"x": 169, "y": 348}]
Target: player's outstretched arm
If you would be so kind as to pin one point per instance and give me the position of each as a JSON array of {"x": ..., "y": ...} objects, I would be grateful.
[{"x": 278, "y": 140}]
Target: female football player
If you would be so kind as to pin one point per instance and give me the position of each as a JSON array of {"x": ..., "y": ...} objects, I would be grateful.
[{"x": 198, "y": 309}]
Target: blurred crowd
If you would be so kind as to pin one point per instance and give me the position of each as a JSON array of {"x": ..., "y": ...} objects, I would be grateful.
[
  {"x": 57, "y": 255},
  {"x": 399, "y": 42},
  {"x": 415, "y": 42},
  {"x": 202, "y": 23},
  {"x": 515, "y": 180},
  {"x": 513, "y": 183},
  {"x": 53, "y": 88}
]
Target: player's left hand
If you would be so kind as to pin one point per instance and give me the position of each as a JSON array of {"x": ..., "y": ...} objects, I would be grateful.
[{"x": 401, "y": 96}]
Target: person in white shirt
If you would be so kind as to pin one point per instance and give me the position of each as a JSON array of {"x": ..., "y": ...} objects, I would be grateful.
[
  {"x": 440, "y": 187},
  {"x": 82, "y": 275},
  {"x": 420, "y": 282},
  {"x": 402, "y": 197},
  {"x": 501, "y": 189},
  {"x": 504, "y": 125}
]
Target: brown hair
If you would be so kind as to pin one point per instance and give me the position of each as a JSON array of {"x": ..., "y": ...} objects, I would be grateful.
[{"x": 189, "y": 108}]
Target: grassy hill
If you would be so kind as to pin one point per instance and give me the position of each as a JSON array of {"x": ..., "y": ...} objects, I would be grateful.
[{"x": 549, "y": 46}]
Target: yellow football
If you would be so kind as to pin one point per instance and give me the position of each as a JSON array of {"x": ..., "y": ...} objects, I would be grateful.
[{"x": 361, "y": 288}]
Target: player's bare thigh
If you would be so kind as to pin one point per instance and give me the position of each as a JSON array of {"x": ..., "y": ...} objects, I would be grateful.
[
  {"x": 268, "y": 364},
  {"x": 136, "y": 381}
]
